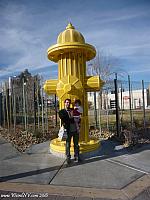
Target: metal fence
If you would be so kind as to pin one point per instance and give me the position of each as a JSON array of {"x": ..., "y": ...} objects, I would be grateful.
[
  {"x": 25, "y": 107},
  {"x": 121, "y": 107}
]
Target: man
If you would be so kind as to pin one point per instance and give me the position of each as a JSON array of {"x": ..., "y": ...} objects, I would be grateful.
[{"x": 66, "y": 115}]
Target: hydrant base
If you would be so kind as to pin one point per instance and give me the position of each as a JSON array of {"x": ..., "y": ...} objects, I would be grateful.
[{"x": 58, "y": 147}]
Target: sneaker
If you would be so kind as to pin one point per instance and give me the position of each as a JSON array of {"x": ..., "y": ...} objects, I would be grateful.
[
  {"x": 68, "y": 161},
  {"x": 77, "y": 159}
]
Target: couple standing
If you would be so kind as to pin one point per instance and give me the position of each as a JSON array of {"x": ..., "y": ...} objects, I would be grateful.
[{"x": 71, "y": 119}]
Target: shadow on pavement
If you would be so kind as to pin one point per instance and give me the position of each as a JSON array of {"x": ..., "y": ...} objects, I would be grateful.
[{"x": 30, "y": 173}]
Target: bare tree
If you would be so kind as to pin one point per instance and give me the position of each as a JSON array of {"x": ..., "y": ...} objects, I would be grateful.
[{"x": 106, "y": 66}]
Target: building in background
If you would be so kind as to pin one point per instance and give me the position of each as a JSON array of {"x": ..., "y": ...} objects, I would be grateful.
[{"x": 107, "y": 99}]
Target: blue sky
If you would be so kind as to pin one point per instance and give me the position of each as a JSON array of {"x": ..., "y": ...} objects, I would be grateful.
[{"x": 120, "y": 28}]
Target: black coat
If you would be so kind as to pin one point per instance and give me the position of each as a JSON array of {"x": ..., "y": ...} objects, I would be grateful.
[{"x": 63, "y": 114}]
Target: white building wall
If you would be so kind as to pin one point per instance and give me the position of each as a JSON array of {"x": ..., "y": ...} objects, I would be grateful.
[
  {"x": 91, "y": 98},
  {"x": 136, "y": 99}
]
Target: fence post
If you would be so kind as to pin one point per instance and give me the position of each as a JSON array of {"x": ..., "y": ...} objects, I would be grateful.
[
  {"x": 34, "y": 104},
  {"x": 131, "y": 118},
  {"x": 144, "y": 118},
  {"x": 1, "y": 109},
  {"x": 99, "y": 105},
  {"x": 24, "y": 104},
  {"x": 117, "y": 108},
  {"x": 38, "y": 108},
  {"x": 4, "y": 105},
  {"x": 95, "y": 111},
  {"x": 43, "y": 128},
  {"x": 107, "y": 110},
  {"x": 7, "y": 106},
  {"x": 121, "y": 120},
  {"x": 55, "y": 110},
  {"x": 14, "y": 105}
]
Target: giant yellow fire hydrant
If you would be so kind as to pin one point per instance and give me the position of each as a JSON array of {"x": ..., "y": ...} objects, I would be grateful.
[{"x": 71, "y": 53}]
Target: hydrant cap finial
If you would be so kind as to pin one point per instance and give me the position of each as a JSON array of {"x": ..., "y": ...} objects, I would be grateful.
[{"x": 70, "y": 26}]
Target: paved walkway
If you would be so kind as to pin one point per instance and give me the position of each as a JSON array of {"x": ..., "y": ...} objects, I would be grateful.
[{"x": 114, "y": 173}]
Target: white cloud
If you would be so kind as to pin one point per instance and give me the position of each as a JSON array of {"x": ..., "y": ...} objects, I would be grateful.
[{"x": 142, "y": 70}]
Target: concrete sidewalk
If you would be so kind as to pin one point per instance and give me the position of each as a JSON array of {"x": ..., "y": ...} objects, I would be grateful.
[{"x": 114, "y": 173}]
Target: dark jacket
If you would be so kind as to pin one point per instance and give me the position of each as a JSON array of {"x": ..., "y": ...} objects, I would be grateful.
[{"x": 63, "y": 114}]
